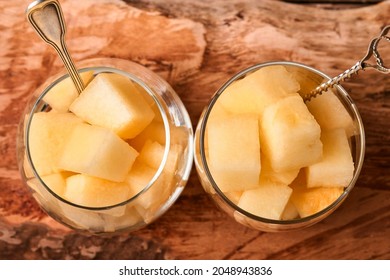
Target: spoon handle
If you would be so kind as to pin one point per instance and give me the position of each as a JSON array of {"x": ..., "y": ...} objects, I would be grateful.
[
  {"x": 47, "y": 19},
  {"x": 372, "y": 52}
]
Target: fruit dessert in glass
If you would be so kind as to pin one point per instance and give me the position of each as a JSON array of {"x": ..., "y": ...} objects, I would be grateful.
[
  {"x": 114, "y": 157},
  {"x": 271, "y": 160}
]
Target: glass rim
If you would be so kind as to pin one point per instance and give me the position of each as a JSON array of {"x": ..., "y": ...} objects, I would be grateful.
[
  {"x": 43, "y": 90},
  {"x": 359, "y": 157}
]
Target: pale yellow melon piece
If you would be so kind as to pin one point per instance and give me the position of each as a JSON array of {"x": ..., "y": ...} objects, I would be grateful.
[
  {"x": 130, "y": 219},
  {"x": 155, "y": 131},
  {"x": 289, "y": 135},
  {"x": 112, "y": 101},
  {"x": 95, "y": 192},
  {"x": 309, "y": 201},
  {"x": 99, "y": 152},
  {"x": 290, "y": 212},
  {"x": 48, "y": 134},
  {"x": 336, "y": 167},
  {"x": 152, "y": 154},
  {"x": 330, "y": 113},
  {"x": 267, "y": 201},
  {"x": 56, "y": 182},
  {"x": 234, "y": 196},
  {"x": 80, "y": 218},
  {"x": 259, "y": 89},
  {"x": 64, "y": 93},
  {"x": 139, "y": 178},
  {"x": 268, "y": 174},
  {"x": 234, "y": 152}
]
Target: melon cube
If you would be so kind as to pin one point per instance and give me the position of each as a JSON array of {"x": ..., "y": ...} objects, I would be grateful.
[
  {"x": 289, "y": 135},
  {"x": 95, "y": 192},
  {"x": 138, "y": 179},
  {"x": 155, "y": 131},
  {"x": 267, "y": 201},
  {"x": 268, "y": 174},
  {"x": 99, "y": 152},
  {"x": 290, "y": 212},
  {"x": 234, "y": 196},
  {"x": 64, "y": 93},
  {"x": 330, "y": 113},
  {"x": 309, "y": 201},
  {"x": 112, "y": 101},
  {"x": 234, "y": 152},
  {"x": 48, "y": 134},
  {"x": 152, "y": 154},
  {"x": 336, "y": 167},
  {"x": 257, "y": 90}
]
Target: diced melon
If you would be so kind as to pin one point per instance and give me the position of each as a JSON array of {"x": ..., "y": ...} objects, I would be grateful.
[
  {"x": 330, "y": 113},
  {"x": 234, "y": 152},
  {"x": 56, "y": 182},
  {"x": 128, "y": 220},
  {"x": 64, "y": 93},
  {"x": 290, "y": 136},
  {"x": 139, "y": 178},
  {"x": 152, "y": 154},
  {"x": 95, "y": 192},
  {"x": 290, "y": 212},
  {"x": 256, "y": 91},
  {"x": 336, "y": 167},
  {"x": 234, "y": 196},
  {"x": 309, "y": 201},
  {"x": 155, "y": 131},
  {"x": 48, "y": 134},
  {"x": 99, "y": 152},
  {"x": 268, "y": 174},
  {"x": 112, "y": 101},
  {"x": 267, "y": 201}
]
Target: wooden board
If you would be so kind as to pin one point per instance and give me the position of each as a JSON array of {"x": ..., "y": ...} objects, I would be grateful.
[{"x": 196, "y": 46}]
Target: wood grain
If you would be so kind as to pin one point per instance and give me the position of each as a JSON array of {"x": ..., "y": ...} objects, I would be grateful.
[{"x": 196, "y": 47}]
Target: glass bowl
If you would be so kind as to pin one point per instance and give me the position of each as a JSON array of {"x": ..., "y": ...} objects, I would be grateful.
[
  {"x": 309, "y": 78},
  {"x": 150, "y": 200}
]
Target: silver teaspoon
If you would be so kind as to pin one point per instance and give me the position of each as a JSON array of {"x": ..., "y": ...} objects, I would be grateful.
[
  {"x": 362, "y": 64},
  {"x": 47, "y": 19}
]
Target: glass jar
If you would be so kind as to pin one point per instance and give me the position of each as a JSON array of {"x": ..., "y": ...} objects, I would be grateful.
[
  {"x": 152, "y": 199},
  {"x": 309, "y": 78}
]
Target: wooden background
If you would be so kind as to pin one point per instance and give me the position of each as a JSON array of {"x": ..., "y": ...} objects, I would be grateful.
[{"x": 197, "y": 45}]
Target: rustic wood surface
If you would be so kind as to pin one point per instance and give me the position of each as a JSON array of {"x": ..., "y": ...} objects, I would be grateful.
[{"x": 197, "y": 45}]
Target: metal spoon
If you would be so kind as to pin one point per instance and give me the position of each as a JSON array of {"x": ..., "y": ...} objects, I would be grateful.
[
  {"x": 362, "y": 64},
  {"x": 47, "y": 19}
]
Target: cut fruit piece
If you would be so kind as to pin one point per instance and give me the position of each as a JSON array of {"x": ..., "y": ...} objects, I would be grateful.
[
  {"x": 336, "y": 167},
  {"x": 112, "y": 101},
  {"x": 267, "y": 201},
  {"x": 48, "y": 134},
  {"x": 234, "y": 196},
  {"x": 138, "y": 178},
  {"x": 153, "y": 132},
  {"x": 256, "y": 91},
  {"x": 152, "y": 154},
  {"x": 268, "y": 174},
  {"x": 234, "y": 152},
  {"x": 289, "y": 135},
  {"x": 64, "y": 93},
  {"x": 310, "y": 201},
  {"x": 290, "y": 212},
  {"x": 56, "y": 182},
  {"x": 98, "y": 152},
  {"x": 330, "y": 113},
  {"x": 95, "y": 192}
]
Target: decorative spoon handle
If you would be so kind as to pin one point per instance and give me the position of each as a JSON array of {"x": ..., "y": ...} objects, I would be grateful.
[
  {"x": 362, "y": 64},
  {"x": 47, "y": 19}
]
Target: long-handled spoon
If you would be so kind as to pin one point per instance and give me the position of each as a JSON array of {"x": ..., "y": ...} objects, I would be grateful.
[
  {"x": 47, "y": 19},
  {"x": 362, "y": 64}
]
